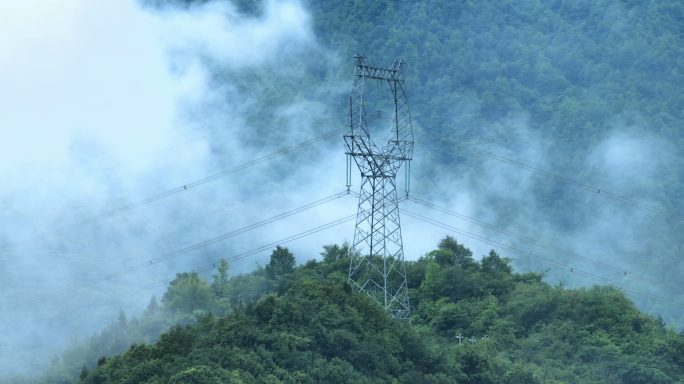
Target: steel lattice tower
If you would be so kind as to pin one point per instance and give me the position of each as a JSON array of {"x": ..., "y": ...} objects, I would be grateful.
[{"x": 380, "y": 271}]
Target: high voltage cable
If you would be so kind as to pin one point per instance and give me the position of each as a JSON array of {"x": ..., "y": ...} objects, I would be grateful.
[
  {"x": 179, "y": 252},
  {"x": 543, "y": 260},
  {"x": 540, "y": 244},
  {"x": 177, "y": 190},
  {"x": 198, "y": 270},
  {"x": 340, "y": 221},
  {"x": 546, "y": 246},
  {"x": 538, "y": 171}
]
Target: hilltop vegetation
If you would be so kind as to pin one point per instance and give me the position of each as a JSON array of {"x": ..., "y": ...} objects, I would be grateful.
[
  {"x": 573, "y": 73},
  {"x": 303, "y": 324},
  {"x": 548, "y": 83}
]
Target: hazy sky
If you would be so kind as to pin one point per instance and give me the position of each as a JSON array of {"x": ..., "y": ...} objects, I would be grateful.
[
  {"x": 80, "y": 68},
  {"x": 88, "y": 91},
  {"x": 93, "y": 93}
]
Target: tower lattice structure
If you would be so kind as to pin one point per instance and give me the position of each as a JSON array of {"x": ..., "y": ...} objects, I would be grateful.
[{"x": 380, "y": 270}]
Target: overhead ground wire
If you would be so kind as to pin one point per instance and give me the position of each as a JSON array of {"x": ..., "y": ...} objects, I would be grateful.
[
  {"x": 176, "y": 190},
  {"x": 351, "y": 217},
  {"x": 198, "y": 270},
  {"x": 177, "y": 253},
  {"x": 543, "y": 260},
  {"x": 546, "y": 246},
  {"x": 530, "y": 255}
]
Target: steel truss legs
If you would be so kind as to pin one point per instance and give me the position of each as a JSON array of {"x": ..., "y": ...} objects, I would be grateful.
[{"x": 380, "y": 272}]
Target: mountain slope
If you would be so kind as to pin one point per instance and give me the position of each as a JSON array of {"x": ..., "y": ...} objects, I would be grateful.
[{"x": 587, "y": 90}]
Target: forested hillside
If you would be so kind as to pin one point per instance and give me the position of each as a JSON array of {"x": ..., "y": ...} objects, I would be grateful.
[
  {"x": 287, "y": 324},
  {"x": 587, "y": 90}
]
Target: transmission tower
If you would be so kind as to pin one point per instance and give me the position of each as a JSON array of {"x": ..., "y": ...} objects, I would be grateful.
[{"x": 380, "y": 271}]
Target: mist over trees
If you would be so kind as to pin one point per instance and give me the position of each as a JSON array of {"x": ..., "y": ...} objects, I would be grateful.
[
  {"x": 305, "y": 325},
  {"x": 590, "y": 90},
  {"x": 584, "y": 90}
]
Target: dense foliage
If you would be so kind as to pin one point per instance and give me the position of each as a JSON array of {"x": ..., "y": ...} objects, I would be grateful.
[
  {"x": 574, "y": 73},
  {"x": 547, "y": 83},
  {"x": 305, "y": 325}
]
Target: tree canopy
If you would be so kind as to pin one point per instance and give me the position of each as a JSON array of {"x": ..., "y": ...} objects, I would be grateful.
[{"x": 306, "y": 325}]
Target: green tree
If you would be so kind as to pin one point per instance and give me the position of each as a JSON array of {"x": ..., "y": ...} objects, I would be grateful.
[
  {"x": 443, "y": 257},
  {"x": 462, "y": 255},
  {"x": 151, "y": 307},
  {"x": 220, "y": 283},
  {"x": 187, "y": 293},
  {"x": 431, "y": 285},
  {"x": 495, "y": 264},
  {"x": 282, "y": 262},
  {"x": 333, "y": 252},
  {"x": 210, "y": 375}
]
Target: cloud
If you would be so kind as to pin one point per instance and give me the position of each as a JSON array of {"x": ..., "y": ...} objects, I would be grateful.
[
  {"x": 96, "y": 94},
  {"x": 217, "y": 30}
]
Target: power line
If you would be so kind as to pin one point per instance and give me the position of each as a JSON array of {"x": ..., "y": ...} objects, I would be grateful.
[
  {"x": 546, "y": 246},
  {"x": 538, "y": 171},
  {"x": 332, "y": 224},
  {"x": 543, "y": 260},
  {"x": 179, "y": 252},
  {"x": 177, "y": 190},
  {"x": 198, "y": 270},
  {"x": 543, "y": 245}
]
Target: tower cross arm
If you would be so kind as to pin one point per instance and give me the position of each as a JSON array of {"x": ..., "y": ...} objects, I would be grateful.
[
  {"x": 369, "y": 72},
  {"x": 380, "y": 155}
]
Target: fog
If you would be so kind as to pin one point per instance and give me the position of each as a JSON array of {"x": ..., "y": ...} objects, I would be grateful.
[
  {"x": 107, "y": 103},
  {"x": 638, "y": 248},
  {"x": 93, "y": 95}
]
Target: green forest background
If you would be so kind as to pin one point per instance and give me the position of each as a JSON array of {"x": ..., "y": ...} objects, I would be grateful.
[
  {"x": 564, "y": 77},
  {"x": 587, "y": 90}
]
